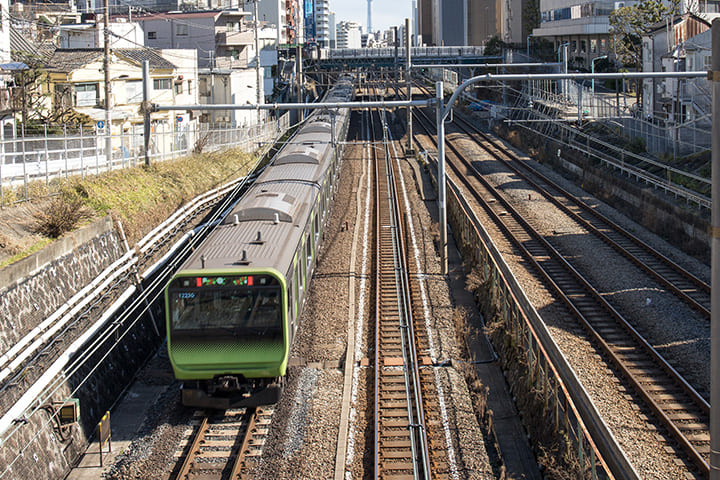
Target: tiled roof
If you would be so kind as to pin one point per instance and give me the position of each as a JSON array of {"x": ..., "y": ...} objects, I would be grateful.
[
  {"x": 21, "y": 49},
  {"x": 138, "y": 55},
  {"x": 65, "y": 60}
]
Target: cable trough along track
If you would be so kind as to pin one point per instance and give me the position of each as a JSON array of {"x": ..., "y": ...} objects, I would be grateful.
[
  {"x": 682, "y": 283},
  {"x": 222, "y": 442},
  {"x": 682, "y": 412},
  {"x": 401, "y": 449}
]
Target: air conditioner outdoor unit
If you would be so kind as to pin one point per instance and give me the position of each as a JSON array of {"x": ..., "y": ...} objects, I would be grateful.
[{"x": 619, "y": 5}]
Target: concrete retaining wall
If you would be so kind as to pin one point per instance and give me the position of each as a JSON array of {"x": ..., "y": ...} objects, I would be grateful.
[
  {"x": 33, "y": 288},
  {"x": 682, "y": 226},
  {"x": 30, "y": 291}
]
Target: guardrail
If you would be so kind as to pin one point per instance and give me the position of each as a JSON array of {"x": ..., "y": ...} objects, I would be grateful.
[
  {"x": 568, "y": 404},
  {"x": 43, "y": 158},
  {"x": 568, "y": 136}
]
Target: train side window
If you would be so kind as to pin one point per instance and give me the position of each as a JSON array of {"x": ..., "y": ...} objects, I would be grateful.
[
  {"x": 296, "y": 286},
  {"x": 303, "y": 267},
  {"x": 308, "y": 250},
  {"x": 317, "y": 228}
]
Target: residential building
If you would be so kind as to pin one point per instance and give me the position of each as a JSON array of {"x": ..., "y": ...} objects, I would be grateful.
[
  {"x": 225, "y": 41},
  {"x": 75, "y": 82},
  {"x": 322, "y": 23},
  {"x": 212, "y": 33},
  {"x": 348, "y": 35},
  {"x": 664, "y": 50},
  {"x": 124, "y": 34},
  {"x": 285, "y": 15},
  {"x": 332, "y": 30},
  {"x": 696, "y": 93}
]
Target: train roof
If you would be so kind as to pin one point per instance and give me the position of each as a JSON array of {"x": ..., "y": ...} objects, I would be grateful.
[
  {"x": 258, "y": 243},
  {"x": 267, "y": 224}
]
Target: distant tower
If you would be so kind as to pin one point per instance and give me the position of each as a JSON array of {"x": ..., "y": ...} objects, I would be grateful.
[{"x": 369, "y": 25}]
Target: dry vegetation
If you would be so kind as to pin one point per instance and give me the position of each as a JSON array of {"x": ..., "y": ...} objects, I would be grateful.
[{"x": 139, "y": 197}]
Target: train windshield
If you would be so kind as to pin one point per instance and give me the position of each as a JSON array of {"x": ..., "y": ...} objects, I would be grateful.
[{"x": 248, "y": 306}]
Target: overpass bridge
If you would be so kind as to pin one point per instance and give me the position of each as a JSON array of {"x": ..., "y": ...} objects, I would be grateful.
[{"x": 339, "y": 58}]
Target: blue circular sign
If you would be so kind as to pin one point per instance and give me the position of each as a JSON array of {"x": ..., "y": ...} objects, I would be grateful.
[
  {"x": 179, "y": 119},
  {"x": 101, "y": 124}
]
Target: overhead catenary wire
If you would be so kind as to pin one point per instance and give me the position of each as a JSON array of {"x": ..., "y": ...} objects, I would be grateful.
[{"x": 144, "y": 301}]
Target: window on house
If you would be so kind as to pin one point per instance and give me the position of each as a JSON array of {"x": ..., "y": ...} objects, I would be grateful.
[
  {"x": 86, "y": 94},
  {"x": 707, "y": 62},
  {"x": 161, "y": 84},
  {"x": 593, "y": 46},
  {"x": 178, "y": 88},
  {"x": 152, "y": 35},
  {"x": 189, "y": 87},
  {"x": 181, "y": 30},
  {"x": 583, "y": 46},
  {"x": 133, "y": 91},
  {"x": 574, "y": 46},
  {"x": 603, "y": 45}
]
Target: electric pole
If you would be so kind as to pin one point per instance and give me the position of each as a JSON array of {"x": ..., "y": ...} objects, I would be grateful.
[
  {"x": 257, "y": 60},
  {"x": 106, "y": 69}
]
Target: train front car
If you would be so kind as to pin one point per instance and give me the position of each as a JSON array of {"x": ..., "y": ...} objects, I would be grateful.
[
  {"x": 227, "y": 337},
  {"x": 232, "y": 309}
]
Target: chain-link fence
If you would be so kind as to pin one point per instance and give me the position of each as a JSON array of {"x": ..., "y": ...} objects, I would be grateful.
[{"x": 59, "y": 151}]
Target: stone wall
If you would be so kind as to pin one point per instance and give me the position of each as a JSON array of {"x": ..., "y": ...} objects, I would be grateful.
[
  {"x": 30, "y": 290},
  {"x": 35, "y": 287}
]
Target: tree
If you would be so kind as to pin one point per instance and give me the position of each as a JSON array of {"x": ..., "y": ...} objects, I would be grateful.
[
  {"x": 628, "y": 24},
  {"x": 32, "y": 94},
  {"x": 494, "y": 47}
]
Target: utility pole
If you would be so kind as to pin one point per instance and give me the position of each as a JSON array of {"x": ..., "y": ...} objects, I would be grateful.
[
  {"x": 397, "y": 72},
  {"x": 106, "y": 69},
  {"x": 715, "y": 258},
  {"x": 257, "y": 62},
  {"x": 146, "y": 109},
  {"x": 409, "y": 87}
]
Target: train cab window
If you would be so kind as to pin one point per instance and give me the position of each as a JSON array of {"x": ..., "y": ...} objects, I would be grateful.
[{"x": 225, "y": 306}]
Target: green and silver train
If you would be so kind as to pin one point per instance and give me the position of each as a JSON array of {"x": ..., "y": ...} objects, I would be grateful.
[{"x": 232, "y": 309}]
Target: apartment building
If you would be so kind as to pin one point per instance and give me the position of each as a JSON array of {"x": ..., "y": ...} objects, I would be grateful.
[
  {"x": 348, "y": 35},
  {"x": 322, "y": 23}
]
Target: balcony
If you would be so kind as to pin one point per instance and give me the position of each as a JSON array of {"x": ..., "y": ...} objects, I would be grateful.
[{"x": 234, "y": 39}]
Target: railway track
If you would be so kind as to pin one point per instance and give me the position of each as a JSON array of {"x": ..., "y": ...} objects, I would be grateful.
[
  {"x": 682, "y": 412},
  {"x": 221, "y": 443},
  {"x": 401, "y": 449},
  {"x": 690, "y": 289}
]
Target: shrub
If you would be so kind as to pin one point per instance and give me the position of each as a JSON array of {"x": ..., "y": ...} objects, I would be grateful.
[{"x": 61, "y": 216}]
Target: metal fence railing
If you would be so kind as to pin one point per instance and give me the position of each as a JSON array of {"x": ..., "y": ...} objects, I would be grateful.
[
  {"x": 45, "y": 156},
  {"x": 660, "y": 137}
]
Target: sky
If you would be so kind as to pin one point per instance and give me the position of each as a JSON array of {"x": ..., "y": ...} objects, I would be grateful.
[{"x": 385, "y": 13}]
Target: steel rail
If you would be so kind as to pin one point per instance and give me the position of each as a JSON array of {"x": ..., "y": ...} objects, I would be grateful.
[
  {"x": 198, "y": 439},
  {"x": 239, "y": 463},
  {"x": 692, "y": 284},
  {"x": 597, "y": 326},
  {"x": 205, "y": 442},
  {"x": 400, "y": 445}
]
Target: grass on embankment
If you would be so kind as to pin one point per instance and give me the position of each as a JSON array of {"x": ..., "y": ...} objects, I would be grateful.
[{"x": 140, "y": 197}]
